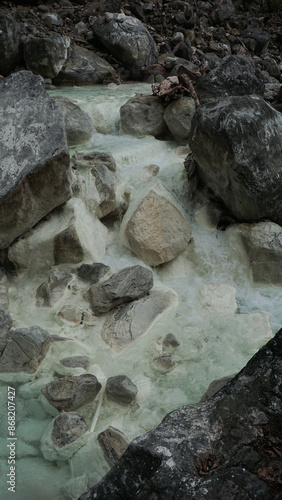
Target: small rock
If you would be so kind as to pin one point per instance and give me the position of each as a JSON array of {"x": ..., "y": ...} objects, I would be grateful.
[
  {"x": 48, "y": 293},
  {"x": 92, "y": 272},
  {"x": 76, "y": 362},
  {"x": 163, "y": 363},
  {"x": 79, "y": 126},
  {"x": 67, "y": 428},
  {"x": 143, "y": 115},
  {"x": 215, "y": 386},
  {"x": 5, "y": 326},
  {"x": 170, "y": 340},
  {"x": 70, "y": 393},
  {"x": 25, "y": 349},
  {"x": 124, "y": 286},
  {"x": 151, "y": 170},
  {"x": 114, "y": 443},
  {"x": 121, "y": 389},
  {"x": 95, "y": 158},
  {"x": 67, "y": 247}
]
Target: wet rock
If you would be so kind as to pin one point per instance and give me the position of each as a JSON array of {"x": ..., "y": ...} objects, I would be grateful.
[
  {"x": 48, "y": 293},
  {"x": 236, "y": 76},
  {"x": 92, "y": 272},
  {"x": 76, "y": 314},
  {"x": 69, "y": 234},
  {"x": 46, "y": 56},
  {"x": 84, "y": 67},
  {"x": 67, "y": 247},
  {"x": 76, "y": 362},
  {"x": 129, "y": 322},
  {"x": 143, "y": 115},
  {"x": 10, "y": 53},
  {"x": 216, "y": 449},
  {"x": 121, "y": 390},
  {"x": 219, "y": 298},
  {"x": 157, "y": 232},
  {"x": 126, "y": 285},
  {"x": 4, "y": 299},
  {"x": 238, "y": 159},
  {"x": 163, "y": 363},
  {"x": 25, "y": 349},
  {"x": 70, "y": 393},
  {"x": 170, "y": 340},
  {"x": 151, "y": 170},
  {"x": 96, "y": 158},
  {"x": 34, "y": 159},
  {"x": 106, "y": 183},
  {"x": 79, "y": 126},
  {"x": 5, "y": 326},
  {"x": 178, "y": 116},
  {"x": 128, "y": 40},
  {"x": 114, "y": 443},
  {"x": 67, "y": 427},
  {"x": 263, "y": 244}
]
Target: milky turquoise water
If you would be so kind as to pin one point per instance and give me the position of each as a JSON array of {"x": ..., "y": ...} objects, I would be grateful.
[{"x": 215, "y": 342}]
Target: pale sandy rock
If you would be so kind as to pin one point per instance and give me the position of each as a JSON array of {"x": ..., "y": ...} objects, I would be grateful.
[
  {"x": 75, "y": 362},
  {"x": 76, "y": 314},
  {"x": 114, "y": 443},
  {"x": 37, "y": 249},
  {"x": 157, "y": 232},
  {"x": 129, "y": 322},
  {"x": 218, "y": 298}
]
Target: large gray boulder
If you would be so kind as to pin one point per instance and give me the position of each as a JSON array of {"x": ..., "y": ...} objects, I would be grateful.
[
  {"x": 84, "y": 67},
  {"x": 46, "y": 56},
  {"x": 10, "y": 53},
  {"x": 228, "y": 447},
  {"x": 128, "y": 40},
  {"x": 126, "y": 285},
  {"x": 237, "y": 145},
  {"x": 237, "y": 75},
  {"x": 79, "y": 125},
  {"x": 143, "y": 115},
  {"x": 34, "y": 158},
  {"x": 25, "y": 349}
]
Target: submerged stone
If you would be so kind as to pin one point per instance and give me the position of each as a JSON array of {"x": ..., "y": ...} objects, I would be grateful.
[
  {"x": 25, "y": 349},
  {"x": 48, "y": 293},
  {"x": 129, "y": 322},
  {"x": 114, "y": 443},
  {"x": 68, "y": 427}
]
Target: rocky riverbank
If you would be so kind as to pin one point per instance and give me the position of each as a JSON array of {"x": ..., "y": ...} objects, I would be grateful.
[{"x": 131, "y": 277}]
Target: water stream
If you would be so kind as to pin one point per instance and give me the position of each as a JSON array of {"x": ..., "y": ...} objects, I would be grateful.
[{"x": 213, "y": 342}]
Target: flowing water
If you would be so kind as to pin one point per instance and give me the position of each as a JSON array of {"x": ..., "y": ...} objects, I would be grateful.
[{"x": 214, "y": 340}]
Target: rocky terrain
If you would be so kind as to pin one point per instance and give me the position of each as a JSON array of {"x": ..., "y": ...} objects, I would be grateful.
[{"x": 215, "y": 74}]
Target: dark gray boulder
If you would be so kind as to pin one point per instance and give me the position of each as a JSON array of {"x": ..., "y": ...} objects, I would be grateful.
[
  {"x": 228, "y": 447},
  {"x": 128, "y": 40},
  {"x": 237, "y": 145},
  {"x": 67, "y": 428},
  {"x": 10, "y": 52},
  {"x": 126, "y": 285},
  {"x": 94, "y": 159},
  {"x": 70, "y": 393},
  {"x": 25, "y": 349},
  {"x": 46, "y": 56},
  {"x": 237, "y": 75},
  {"x": 143, "y": 115},
  {"x": 34, "y": 158},
  {"x": 79, "y": 125},
  {"x": 121, "y": 389},
  {"x": 84, "y": 67}
]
